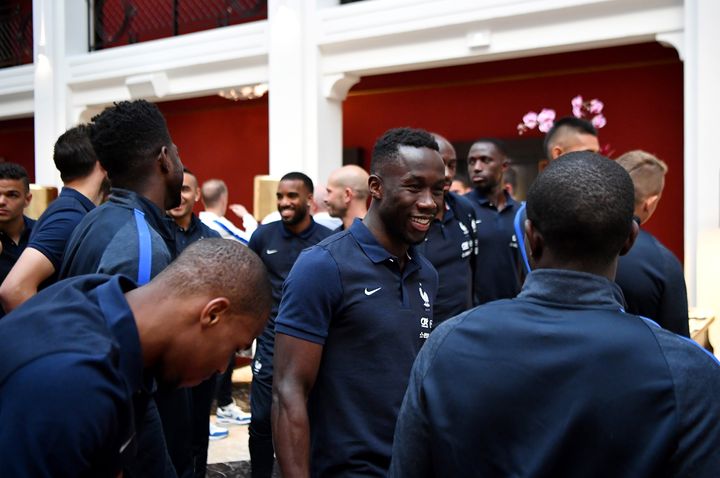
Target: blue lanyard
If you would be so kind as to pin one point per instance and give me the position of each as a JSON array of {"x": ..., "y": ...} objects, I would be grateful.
[
  {"x": 230, "y": 232},
  {"x": 520, "y": 235}
]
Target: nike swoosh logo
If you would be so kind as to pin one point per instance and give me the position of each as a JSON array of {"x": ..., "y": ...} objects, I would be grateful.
[
  {"x": 371, "y": 292},
  {"x": 271, "y": 251}
]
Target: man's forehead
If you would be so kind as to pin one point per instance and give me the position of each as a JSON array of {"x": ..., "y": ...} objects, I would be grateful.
[
  {"x": 189, "y": 180},
  {"x": 484, "y": 148},
  {"x": 12, "y": 185},
  {"x": 292, "y": 185}
]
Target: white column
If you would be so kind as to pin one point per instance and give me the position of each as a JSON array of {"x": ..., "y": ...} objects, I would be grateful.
[
  {"x": 59, "y": 28},
  {"x": 305, "y": 109},
  {"x": 702, "y": 162}
]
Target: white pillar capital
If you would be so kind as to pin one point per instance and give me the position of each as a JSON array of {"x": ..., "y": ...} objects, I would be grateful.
[{"x": 337, "y": 86}]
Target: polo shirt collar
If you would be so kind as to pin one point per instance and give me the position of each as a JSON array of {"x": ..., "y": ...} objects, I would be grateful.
[
  {"x": 484, "y": 200},
  {"x": 287, "y": 233},
  {"x": 376, "y": 252},
  {"x": 156, "y": 217},
  {"x": 120, "y": 320},
  {"x": 573, "y": 288},
  {"x": 86, "y": 203}
]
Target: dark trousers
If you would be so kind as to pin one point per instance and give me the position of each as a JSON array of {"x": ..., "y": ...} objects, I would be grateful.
[
  {"x": 202, "y": 396},
  {"x": 262, "y": 452},
  {"x": 151, "y": 454},
  {"x": 224, "y": 384},
  {"x": 175, "y": 407}
]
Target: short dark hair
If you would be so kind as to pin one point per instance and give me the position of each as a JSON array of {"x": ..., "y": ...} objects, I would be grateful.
[
  {"x": 386, "y": 148},
  {"x": 127, "y": 136},
  {"x": 187, "y": 171},
  {"x": 571, "y": 123},
  {"x": 582, "y": 204},
  {"x": 73, "y": 154},
  {"x": 298, "y": 176},
  {"x": 212, "y": 265},
  {"x": 499, "y": 144},
  {"x": 16, "y": 172}
]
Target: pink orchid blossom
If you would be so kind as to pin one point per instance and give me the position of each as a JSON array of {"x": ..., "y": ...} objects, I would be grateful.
[
  {"x": 577, "y": 102},
  {"x": 598, "y": 121},
  {"x": 596, "y": 106},
  {"x": 545, "y": 119},
  {"x": 530, "y": 120},
  {"x": 577, "y": 112}
]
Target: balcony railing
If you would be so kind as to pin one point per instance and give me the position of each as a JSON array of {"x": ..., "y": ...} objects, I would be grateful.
[
  {"x": 122, "y": 22},
  {"x": 16, "y": 33}
]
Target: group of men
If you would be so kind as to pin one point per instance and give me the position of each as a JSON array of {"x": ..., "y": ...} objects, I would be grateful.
[{"x": 429, "y": 334}]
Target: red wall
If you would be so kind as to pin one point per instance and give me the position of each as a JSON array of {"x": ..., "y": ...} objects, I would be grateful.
[
  {"x": 641, "y": 86},
  {"x": 17, "y": 143},
  {"x": 219, "y": 138}
]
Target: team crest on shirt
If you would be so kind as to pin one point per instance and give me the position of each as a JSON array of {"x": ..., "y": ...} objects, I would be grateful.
[{"x": 424, "y": 296}]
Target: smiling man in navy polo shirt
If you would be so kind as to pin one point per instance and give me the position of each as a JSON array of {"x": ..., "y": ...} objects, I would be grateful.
[
  {"x": 76, "y": 359},
  {"x": 278, "y": 244},
  {"x": 355, "y": 311},
  {"x": 85, "y": 183},
  {"x": 496, "y": 265},
  {"x": 560, "y": 381}
]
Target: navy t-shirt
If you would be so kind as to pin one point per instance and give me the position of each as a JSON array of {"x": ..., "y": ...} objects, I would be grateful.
[
  {"x": 497, "y": 262},
  {"x": 71, "y": 381},
  {"x": 54, "y": 227},
  {"x": 559, "y": 382},
  {"x": 450, "y": 247},
  {"x": 11, "y": 251},
  {"x": 348, "y": 294},
  {"x": 653, "y": 284}
]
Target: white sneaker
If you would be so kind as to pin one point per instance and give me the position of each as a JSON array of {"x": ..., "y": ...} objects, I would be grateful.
[
  {"x": 232, "y": 415},
  {"x": 217, "y": 433}
]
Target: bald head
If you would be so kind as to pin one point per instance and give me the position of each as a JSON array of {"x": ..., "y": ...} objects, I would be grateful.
[
  {"x": 347, "y": 192},
  {"x": 213, "y": 192},
  {"x": 449, "y": 157},
  {"x": 648, "y": 176}
]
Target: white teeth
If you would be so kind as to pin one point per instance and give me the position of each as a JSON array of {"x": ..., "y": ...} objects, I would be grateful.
[{"x": 419, "y": 220}]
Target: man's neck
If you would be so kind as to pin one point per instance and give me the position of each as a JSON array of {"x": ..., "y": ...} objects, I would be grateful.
[
  {"x": 300, "y": 227},
  {"x": 496, "y": 195},
  {"x": 218, "y": 211},
  {"x": 14, "y": 228},
  {"x": 184, "y": 221},
  {"x": 354, "y": 211},
  {"x": 87, "y": 188},
  {"x": 392, "y": 245}
]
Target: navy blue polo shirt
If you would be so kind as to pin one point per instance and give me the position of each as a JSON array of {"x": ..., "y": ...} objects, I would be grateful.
[
  {"x": 106, "y": 240},
  {"x": 450, "y": 246},
  {"x": 497, "y": 261},
  {"x": 279, "y": 248},
  {"x": 559, "y": 382},
  {"x": 71, "y": 380},
  {"x": 348, "y": 294},
  {"x": 196, "y": 230},
  {"x": 653, "y": 284},
  {"x": 54, "y": 227},
  {"x": 11, "y": 251}
]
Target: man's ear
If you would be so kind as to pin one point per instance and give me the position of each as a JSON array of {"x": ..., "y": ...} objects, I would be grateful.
[
  {"x": 650, "y": 203},
  {"x": 28, "y": 198},
  {"x": 211, "y": 312},
  {"x": 534, "y": 241},
  {"x": 375, "y": 185},
  {"x": 164, "y": 160},
  {"x": 555, "y": 152},
  {"x": 634, "y": 231}
]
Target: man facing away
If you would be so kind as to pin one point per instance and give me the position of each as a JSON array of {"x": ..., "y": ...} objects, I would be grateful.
[
  {"x": 560, "y": 381},
  {"x": 496, "y": 265},
  {"x": 85, "y": 182},
  {"x": 450, "y": 245},
  {"x": 278, "y": 244},
  {"x": 650, "y": 276},
  {"x": 347, "y": 194},
  {"x": 188, "y": 230},
  {"x": 77, "y": 359},
  {"x": 215, "y": 199},
  {"x": 355, "y": 311},
  {"x": 15, "y": 227},
  {"x": 130, "y": 234}
]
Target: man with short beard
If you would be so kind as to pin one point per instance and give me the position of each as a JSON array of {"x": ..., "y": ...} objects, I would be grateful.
[{"x": 278, "y": 244}]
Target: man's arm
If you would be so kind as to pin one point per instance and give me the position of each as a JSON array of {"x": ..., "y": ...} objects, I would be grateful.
[
  {"x": 295, "y": 366},
  {"x": 30, "y": 270}
]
